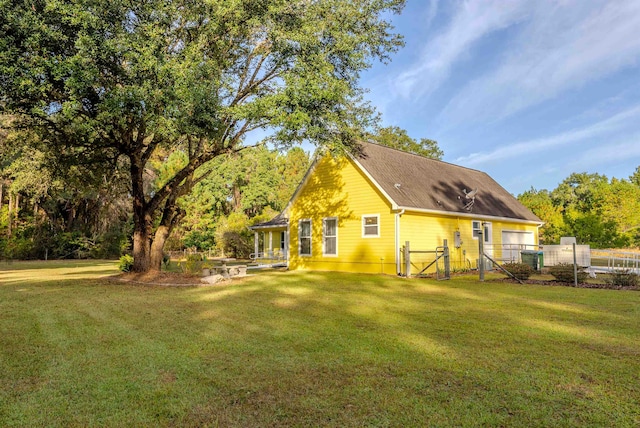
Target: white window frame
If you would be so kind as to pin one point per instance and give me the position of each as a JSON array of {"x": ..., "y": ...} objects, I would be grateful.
[
  {"x": 483, "y": 226},
  {"x": 364, "y": 217},
  {"x": 325, "y": 236},
  {"x": 300, "y": 237},
  {"x": 475, "y": 231},
  {"x": 488, "y": 233}
]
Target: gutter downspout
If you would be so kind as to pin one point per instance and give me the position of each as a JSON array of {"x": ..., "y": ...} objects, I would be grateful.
[{"x": 398, "y": 263}]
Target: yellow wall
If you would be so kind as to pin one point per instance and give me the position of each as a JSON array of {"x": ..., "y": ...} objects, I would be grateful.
[
  {"x": 335, "y": 188},
  {"x": 425, "y": 232}
]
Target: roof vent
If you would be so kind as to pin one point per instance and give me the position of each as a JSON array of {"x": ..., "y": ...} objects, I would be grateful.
[{"x": 397, "y": 185}]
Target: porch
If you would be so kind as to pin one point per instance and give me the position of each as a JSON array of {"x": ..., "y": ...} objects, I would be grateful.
[{"x": 271, "y": 243}]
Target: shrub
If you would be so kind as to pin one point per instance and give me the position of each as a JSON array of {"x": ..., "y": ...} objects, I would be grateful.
[
  {"x": 194, "y": 257},
  {"x": 623, "y": 278},
  {"x": 563, "y": 272},
  {"x": 233, "y": 237},
  {"x": 192, "y": 263},
  {"x": 519, "y": 270},
  {"x": 166, "y": 260},
  {"x": 126, "y": 263},
  {"x": 18, "y": 248}
]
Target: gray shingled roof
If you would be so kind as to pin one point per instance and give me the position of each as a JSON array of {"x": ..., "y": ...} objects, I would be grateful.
[
  {"x": 413, "y": 181},
  {"x": 276, "y": 222}
]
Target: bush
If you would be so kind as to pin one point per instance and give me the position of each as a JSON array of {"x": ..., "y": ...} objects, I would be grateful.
[
  {"x": 71, "y": 245},
  {"x": 192, "y": 264},
  {"x": 563, "y": 272},
  {"x": 166, "y": 260},
  {"x": 112, "y": 243},
  {"x": 623, "y": 278},
  {"x": 233, "y": 237},
  {"x": 519, "y": 270},
  {"x": 18, "y": 248},
  {"x": 126, "y": 263}
]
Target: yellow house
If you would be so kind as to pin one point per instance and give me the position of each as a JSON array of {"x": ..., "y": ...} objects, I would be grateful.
[{"x": 356, "y": 214}]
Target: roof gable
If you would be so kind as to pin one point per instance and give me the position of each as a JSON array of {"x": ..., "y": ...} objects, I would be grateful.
[{"x": 413, "y": 181}]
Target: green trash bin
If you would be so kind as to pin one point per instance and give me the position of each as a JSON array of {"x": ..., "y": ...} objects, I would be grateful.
[
  {"x": 530, "y": 258},
  {"x": 540, "y": 260}
]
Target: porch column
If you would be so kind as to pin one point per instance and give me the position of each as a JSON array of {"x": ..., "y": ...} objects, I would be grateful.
[
  {"x": 286, "y": 244},
  {"x": 270, "y": 244},
  {"x": 255, "y": 244}
]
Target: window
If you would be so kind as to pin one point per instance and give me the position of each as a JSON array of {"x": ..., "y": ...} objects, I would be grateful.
[
  {"x": 304, "y": 237},
  {"x": 371, "y": 226},
  {"x": 477, "y": 225},
  {"x": 330, "y": 242}
]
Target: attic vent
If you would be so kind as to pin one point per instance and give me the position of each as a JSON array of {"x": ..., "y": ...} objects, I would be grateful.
[{"x": 397, "y": 185}]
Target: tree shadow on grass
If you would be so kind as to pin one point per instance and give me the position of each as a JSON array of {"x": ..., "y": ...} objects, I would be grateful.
[
  {"x": 334, "y": 339},
  {"x": 322, "y": 348}
]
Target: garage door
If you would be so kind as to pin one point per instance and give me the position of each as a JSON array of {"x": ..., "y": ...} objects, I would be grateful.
[{"x": 515, "y": 241}]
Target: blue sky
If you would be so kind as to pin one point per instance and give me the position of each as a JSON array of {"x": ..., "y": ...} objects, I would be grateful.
[{"x": 527, "y": 91}]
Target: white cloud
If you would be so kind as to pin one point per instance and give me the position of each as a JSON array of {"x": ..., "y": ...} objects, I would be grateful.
[
  {"x": 620, "y": 151},
  {"x": 599, "y": 129},
  {"x": 432, "y": 11},
  {"x": 472, "y": 20},
  {"x": 559, "y": 48}
]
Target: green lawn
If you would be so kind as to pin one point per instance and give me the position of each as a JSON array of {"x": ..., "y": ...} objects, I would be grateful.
[{"x": 312, "y": 349}]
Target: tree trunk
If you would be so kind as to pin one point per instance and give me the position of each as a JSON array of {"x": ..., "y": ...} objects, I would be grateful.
[
  {"x": 10, "y": 215},
  {"x": 157, "y": 247},
  {"x": 237, "y": 197},
  {"x": 141, "y": 220},
  {"x": 171, "y": 215},
  {"x": 141, "y": 251}
]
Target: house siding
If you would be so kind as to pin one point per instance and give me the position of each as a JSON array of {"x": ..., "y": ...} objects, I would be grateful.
[
  {"x": 425, "y": 232},
  {"x": 336, "y": 188}
]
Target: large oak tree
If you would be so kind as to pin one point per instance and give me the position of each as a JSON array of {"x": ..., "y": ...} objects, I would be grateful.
[{"x": 102, "y": 81}]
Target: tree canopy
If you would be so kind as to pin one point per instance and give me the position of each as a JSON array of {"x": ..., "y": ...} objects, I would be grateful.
[
  {"x": 597, "y": 211},
  {"x": 397, "y": 138},
  {"x": 109, "y": 82}
]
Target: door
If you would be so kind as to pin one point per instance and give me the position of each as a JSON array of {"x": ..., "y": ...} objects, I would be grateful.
[
  {"x": 514, "y": 241},
  {"x": 488, "y": 238}
]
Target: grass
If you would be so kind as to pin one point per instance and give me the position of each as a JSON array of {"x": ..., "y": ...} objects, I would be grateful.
[{"x": 312, "y": 349}]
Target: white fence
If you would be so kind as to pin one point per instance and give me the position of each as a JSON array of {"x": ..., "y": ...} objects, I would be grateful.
[
  {"x": 615, "y": 260},
  {"x": 597, "y": 261},
  {"x": 182, "y": 254}
]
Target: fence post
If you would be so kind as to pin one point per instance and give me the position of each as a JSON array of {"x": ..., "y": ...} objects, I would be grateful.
[
  {"x": 447, "y": 269},
  {"x": 407, "y": 260},
  {"x": 575, "y": 266},
  {"x": 481, "y": 252}
]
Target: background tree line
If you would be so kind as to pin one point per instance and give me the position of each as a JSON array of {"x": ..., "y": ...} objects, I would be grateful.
[
  {"x": 48, "y": 211},
  {"x": 54, "y": 210},
  {"x": 601, "y": 212}
]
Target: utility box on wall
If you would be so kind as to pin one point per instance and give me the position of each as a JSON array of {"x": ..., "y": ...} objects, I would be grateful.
[{"x": 457, "y": 242}]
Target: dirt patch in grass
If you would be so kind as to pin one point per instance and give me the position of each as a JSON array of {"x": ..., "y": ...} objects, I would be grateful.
[{"x": 158, "y": 278}]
